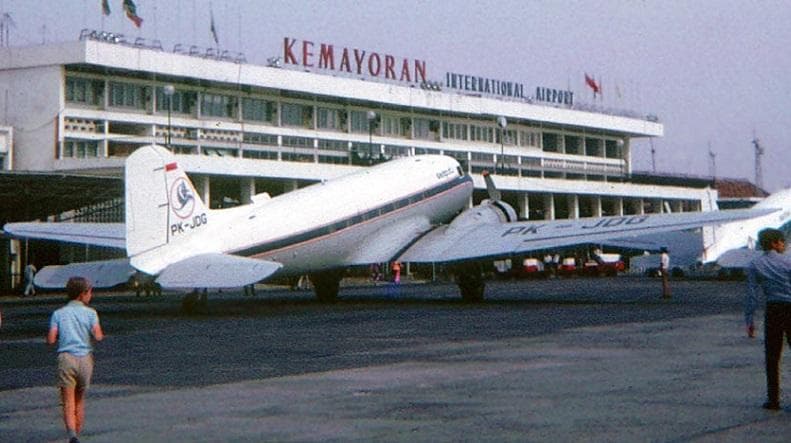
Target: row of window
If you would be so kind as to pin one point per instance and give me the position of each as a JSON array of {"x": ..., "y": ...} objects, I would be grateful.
[
  {"x": 135, "y": 96},
  {"x": 361, "y": 153}
]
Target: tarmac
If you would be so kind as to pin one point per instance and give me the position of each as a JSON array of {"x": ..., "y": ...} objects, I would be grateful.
[{"x": 691, "y": 379}]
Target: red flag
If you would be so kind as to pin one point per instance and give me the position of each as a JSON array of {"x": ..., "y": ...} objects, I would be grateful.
[
  {"x": 592, "y": 83},
  {"x": 131, "y": 12}
]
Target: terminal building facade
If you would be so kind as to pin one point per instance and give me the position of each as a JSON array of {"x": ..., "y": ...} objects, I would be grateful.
[{"x": 241, "y": 129}]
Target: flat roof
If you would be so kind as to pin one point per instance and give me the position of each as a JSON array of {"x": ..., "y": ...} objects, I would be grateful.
[{"x": 163, "y": 64}]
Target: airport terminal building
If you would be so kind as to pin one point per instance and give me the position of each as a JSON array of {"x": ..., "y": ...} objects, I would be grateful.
[{"x": 314, "y": 112}]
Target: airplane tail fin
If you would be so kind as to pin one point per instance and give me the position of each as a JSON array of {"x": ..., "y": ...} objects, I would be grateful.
[{"x": 162, "y": 206}]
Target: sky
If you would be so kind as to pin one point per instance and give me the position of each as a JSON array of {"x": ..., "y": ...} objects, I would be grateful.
[{"x": 715, "y": 72}]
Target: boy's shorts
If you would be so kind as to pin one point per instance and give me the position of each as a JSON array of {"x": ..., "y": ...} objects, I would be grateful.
[{"x": 74, "y": 372}]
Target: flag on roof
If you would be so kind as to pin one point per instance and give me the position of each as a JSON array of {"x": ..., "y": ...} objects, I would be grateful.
[
  {"x": 106, "y": 7},
  {"x": 213, "y": 29},
  {"x": 131, "y": 12},
  {"x": 590, "y": 81}
]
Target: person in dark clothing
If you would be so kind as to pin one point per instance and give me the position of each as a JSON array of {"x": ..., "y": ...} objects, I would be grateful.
[{"x": 771, "y": 271}]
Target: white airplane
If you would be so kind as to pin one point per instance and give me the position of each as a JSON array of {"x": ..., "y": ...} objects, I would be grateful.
[
  {"x": 412, "y": 209},
  {"x": 734, "y": 244},
  {"x": 730, "y": 245}
]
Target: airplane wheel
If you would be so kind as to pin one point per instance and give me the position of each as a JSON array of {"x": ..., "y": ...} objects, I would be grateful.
[
  {"x": 194, "y": 303},
  {"x": 327, "y": 284},
  {"x": 469, "y": 277},
  {"x": 190, "y": 302}
]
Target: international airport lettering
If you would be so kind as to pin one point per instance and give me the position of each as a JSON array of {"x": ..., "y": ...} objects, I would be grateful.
[
  {"x": 558, "y": 96},
  {"x": 184, "y": 226},
  {"x": 353, "y": 61},
  {"x": 484, "y": 85}
]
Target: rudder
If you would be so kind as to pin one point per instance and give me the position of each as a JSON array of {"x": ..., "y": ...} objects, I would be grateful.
[{"x": 161, "y": 202}]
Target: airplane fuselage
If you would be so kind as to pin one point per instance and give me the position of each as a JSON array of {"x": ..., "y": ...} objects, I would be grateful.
[{"x": 337, "y": 223}]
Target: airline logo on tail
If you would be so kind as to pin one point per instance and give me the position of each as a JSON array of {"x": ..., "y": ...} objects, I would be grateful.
[
  {"x": 182, "y": 203},
  {"x": 182, "y": 200}
]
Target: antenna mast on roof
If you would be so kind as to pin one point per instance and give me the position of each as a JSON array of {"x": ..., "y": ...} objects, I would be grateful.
[
  {"x": 6, "y": 23},
  {"x": 653, "y": 155},
  {"x": 712, "y": 163},
  {"x": 759, "y": 152}
]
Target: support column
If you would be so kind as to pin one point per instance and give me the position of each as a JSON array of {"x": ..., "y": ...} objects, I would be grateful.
[
  {"x": 619, "y": 205},
  {"x": 247, "y": 190},
  {"x": 640, "y": 206},
  {"x": 524, "y": 205},
  {"x": 596, "y": 205},
  {"x": 659, "y": 206},
  {"x": 549, "y": 207},
  {"x": 202, "y": 186},
  {"x": 574, "y": 206}
]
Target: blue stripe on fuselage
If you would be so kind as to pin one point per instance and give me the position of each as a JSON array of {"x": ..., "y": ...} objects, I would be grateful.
[{"x": 337, "y": 226}]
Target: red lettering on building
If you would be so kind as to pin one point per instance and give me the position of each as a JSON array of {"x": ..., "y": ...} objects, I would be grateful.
[
  {"x": 405, "y": 76},
  {"x": 345, "y": 61},
  {"x": 389, "y": 63},
  {"x": 374, "y": 64},
  {"x": 306, "y": 53},
  {"x": 359, "y": 57},
  {"x": 326, "y": 57},
  {"x": 420, "y": 70},
  {"x": 288, "y": 54}
]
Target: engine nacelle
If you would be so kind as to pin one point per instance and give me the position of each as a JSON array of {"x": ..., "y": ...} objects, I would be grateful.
[{"x": 488, "y": 211}]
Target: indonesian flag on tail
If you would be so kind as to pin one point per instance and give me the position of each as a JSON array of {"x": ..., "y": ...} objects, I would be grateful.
[
  {"x": 590, "y": 81},
  {"x": 131, "y": 12}
]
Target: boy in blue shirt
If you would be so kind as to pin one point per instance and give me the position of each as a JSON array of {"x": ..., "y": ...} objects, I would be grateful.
[{"x": 71, "y": 328}]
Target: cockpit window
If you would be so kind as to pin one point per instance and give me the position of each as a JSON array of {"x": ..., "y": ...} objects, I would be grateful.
[{"x": 459, "y": 171}]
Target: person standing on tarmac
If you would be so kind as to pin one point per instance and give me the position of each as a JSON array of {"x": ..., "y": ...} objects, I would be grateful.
[
  {"x": 771, "y": 271},
  {"x": 664, "y": 269},
  {"x": 71, "y": 328},
  {"x": 30, "y": 274}
]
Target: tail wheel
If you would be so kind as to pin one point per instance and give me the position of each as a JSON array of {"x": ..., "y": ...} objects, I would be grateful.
[{"x": 327, "y": 284}]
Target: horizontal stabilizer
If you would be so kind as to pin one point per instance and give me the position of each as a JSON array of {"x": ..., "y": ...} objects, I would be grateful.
[
  {"x": 215, "y": 270},
  {"x": 101, "y": 274},
  {"x": 99, "y": 234}
]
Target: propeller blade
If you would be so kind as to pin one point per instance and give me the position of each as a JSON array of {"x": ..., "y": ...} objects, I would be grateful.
[{"x": 494, "y": 193}]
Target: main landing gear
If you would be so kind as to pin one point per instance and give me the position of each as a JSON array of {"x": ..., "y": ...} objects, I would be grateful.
[
  {"x": 469, "y": 277},
  {"x": 195, "y": 301},
  {"x": 327, "y": 284}
]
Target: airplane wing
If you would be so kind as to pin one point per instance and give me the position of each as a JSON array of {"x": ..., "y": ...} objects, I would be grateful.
[
  {"x": 102, "y": 274},
  {"x": 455, "y": 243},
  {"x": 100, "y": 234},
  {"x": 216, "y": 270},
  {"x": 387, "y": 242}
]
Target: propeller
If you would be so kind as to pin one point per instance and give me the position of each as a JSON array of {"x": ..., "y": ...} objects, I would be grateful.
[{"x": 491, "y": 189}]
